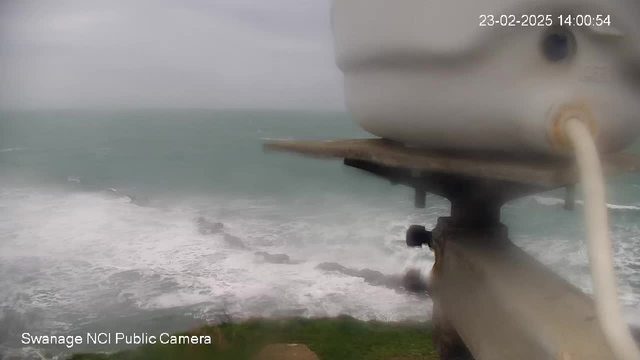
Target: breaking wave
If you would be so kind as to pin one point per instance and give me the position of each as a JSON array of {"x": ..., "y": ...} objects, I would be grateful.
[
  {"x": 555, "y": 202},
  {"x": 72, "y": 258}
]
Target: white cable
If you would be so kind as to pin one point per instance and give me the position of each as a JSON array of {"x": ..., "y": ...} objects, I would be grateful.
[{"x": 603, "y": 274}]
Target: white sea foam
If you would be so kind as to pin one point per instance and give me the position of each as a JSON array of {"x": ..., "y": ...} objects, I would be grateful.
[
  {"x": 89, "y": 253},
  {"x": 551, "y": 201},
  {"x": 548, "y": 201},
  {"x": 92, "y": 253}
]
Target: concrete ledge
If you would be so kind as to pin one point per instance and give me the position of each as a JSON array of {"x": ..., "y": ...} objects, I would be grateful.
[
  {"x": 538, "y": 171},
  {"x": 504, "y": 304}
]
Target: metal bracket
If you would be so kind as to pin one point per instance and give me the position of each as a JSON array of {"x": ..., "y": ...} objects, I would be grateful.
[{"x": 491, "y": 299}]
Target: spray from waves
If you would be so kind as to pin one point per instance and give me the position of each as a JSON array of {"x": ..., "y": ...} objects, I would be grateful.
[
  {"x": 70, "y": 258},
  {"x": 136, "y": 200},
  {"x": 555, "y": 202},
  {"x": 209, "y": 227},
  {"x": 91, "y": 253},
  {"x": 412, "y": 281},
  {"x": 79, "y": 184}
]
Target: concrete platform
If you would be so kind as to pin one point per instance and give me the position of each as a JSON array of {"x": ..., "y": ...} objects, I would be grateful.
[{"x": 543, "y": 172}]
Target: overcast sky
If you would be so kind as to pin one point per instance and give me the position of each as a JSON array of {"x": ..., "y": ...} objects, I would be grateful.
[{"x": 168, "y": 53}]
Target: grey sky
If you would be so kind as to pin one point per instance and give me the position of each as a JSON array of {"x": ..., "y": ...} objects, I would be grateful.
[{"x": 161, "y": 53}]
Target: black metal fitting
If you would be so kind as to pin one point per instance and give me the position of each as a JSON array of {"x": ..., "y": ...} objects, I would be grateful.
[{"x": 417, "y": 236}]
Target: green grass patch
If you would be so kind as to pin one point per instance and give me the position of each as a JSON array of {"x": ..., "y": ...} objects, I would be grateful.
[{"x": 342, "y": 338}]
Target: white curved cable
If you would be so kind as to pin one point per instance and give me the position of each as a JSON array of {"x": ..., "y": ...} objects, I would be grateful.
[{"x": 603, "y": 274}]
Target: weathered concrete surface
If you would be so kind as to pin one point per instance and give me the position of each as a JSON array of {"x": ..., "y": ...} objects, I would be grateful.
[
  {"x": 546, "y": 172},
  {"x": 506, "y": 305},
  {"x": 286, "y": 352}
]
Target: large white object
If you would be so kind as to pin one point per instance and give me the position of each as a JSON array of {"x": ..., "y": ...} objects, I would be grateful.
[{"x": 425, "y": 73}]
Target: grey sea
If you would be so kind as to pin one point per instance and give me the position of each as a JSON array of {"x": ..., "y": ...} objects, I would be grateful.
[{"x": 153, "y": 221}]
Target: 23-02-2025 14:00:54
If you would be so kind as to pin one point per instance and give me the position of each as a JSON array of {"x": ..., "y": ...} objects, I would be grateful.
[{"x": 545, "y": 20}]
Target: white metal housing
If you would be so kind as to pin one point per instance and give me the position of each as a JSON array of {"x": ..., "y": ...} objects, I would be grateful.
[{"x": 425, "y": 73}]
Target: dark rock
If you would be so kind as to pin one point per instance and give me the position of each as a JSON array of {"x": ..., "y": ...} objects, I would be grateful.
[
  {"x": 375, "y": 278},
  {"x": 370, "y": 276},
  {"x": 274, "y": 258},
  {"x": 234, "y": 242},
  {"x": 206, "y": 227},
  {"x": 411, "y": 281},
  {"x": 331, "y": 266}
]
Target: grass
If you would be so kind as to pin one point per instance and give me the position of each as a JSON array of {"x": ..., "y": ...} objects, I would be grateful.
[{"x": 342, "y": 338}]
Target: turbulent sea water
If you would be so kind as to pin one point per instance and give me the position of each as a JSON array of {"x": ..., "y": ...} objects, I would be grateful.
[{"x": 99, "y": 225}]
